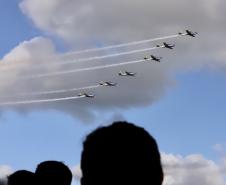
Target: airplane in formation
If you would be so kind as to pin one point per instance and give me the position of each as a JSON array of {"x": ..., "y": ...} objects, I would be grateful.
[
  {"x": 102, "y": 83},
  {"x": 83, "y": 95},
  {"x": 152, "y": 57},
  {"x": 166, "y": 45},
  {"x": 189, "y": 33},
  {"x": 126, "y": 73}
]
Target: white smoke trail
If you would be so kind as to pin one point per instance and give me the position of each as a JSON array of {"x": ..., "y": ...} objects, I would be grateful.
[
  {"x": 39, "y": 101},
  {"x": 52, "y": 92},
  {"x": 83, "y": 59},
  {"x": 112, "y": 55},
  {"x": 11, "y": 65},
  {"x": 120, "y": 45},
  {"x": 80, "y": 70}
]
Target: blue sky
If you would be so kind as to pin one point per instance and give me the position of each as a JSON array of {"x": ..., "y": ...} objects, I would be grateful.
[
  {"x": 15, "y": 28},
  {"x": 188, "y": 119}
]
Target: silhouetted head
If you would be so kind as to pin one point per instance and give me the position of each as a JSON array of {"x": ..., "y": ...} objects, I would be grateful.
[
  {"x": 22, "y": 177},
  {"x": 121, "y": 154},
  {"x": 53, "y": 173}
]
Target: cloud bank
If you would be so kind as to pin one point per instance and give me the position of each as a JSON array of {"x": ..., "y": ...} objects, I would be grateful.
[
  {"x": 148, "y": 86},
  {"x": 192, "y": 169},
  {"x": 85, "y": 24}
]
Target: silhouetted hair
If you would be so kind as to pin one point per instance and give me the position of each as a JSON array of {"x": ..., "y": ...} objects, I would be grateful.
[
  {"x": 53, "y": 173},
  {"x": 22, "y": 177},
  {"x": 121, "y": 154}
]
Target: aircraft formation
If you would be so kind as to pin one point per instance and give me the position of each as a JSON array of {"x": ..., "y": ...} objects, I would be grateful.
[
  {"x": 146, "y": 58},
  {"x": 121, "y": 73}
]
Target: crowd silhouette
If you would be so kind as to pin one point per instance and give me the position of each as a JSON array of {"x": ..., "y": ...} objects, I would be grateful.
[{"x": 119, "y": 154}]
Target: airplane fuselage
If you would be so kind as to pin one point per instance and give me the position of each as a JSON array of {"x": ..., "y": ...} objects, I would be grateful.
[
  {"x": 127, "y": 74},
  {"x": 84, "y": 95},
  {"x": 107, "y": 84},
  {"x": 188, "y": 33}
]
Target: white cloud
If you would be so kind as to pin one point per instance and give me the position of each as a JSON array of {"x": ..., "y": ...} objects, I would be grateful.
[
  {"x": 219, "y": 148},
  {"x": 27, "y": 53},
  {"x": 77, "y": 173},
  {"x": 192, "y": 169},
  {"x": 147, "y": 87},
  {"x": 116, "y": 116},
  {"x": 61, "y": 16},
  {"x": 5, "y": 171},
  {"x": 86, "y": 23},
  {"x": 103, "y": 21}
]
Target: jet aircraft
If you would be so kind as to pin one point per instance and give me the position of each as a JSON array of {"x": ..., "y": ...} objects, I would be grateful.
[
  {"x": 189, "y": 33},
  {"x": 102, "y": 83},
  {"x": 152, "y": 57},
  {"x": 166, "y": 45},
  {"x": 86, "y": 95},
  {"x": 126, "y": 73}
]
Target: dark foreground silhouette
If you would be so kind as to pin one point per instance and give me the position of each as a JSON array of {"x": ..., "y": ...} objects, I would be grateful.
[
  {"x": 47, "y": 173},
  {"x": 22, "y": 177},
  {"x": 121, "y": 154},
  {"x": 53, "y": 173}
]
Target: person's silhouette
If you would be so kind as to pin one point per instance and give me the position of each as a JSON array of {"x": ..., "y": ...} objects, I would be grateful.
[
  {"x": 121, "y": 154},
  {"x": 53, "y": 173},
  {"x": 22, "y": 177}
]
